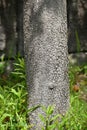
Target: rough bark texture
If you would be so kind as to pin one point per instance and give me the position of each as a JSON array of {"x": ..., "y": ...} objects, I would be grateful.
[{"x": 45, "y": 42}]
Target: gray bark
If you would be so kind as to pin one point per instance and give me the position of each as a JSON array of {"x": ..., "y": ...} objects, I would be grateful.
[
  {"x": 2, "y": 38},
  {"x": 45, "y": 45}
]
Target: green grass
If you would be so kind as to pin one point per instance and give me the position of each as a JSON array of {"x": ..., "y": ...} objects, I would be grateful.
[{"x": 13, "y": 101}]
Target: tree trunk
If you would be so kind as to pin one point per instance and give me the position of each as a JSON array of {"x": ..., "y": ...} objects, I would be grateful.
[
  {"x": 45, "y": 43},
  {"x": 77, "y": 14},
  {"x": 19, "y": 22},
  {"x": 7, "y": 17}
]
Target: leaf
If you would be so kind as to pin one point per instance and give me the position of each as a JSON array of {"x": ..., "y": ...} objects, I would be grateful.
[
  {"x": 34, "y": 108},
  {"x": 52, "y": 127},
  {"x": 42, "y": 118},
  {"x": 15, "y": 92},
  {"x": 55, "y": 117},
  {"x": 2, "y": 57},
  {"x": 2, "y": 97},
  {"x": 50, "y": 110},
  {"x": 78, "y": 42}
]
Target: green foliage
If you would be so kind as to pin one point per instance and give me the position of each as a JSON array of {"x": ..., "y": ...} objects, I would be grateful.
[
  {"x": 74, "y": 119},
  {"x": 13, "y": 100},
  {"x": 84, "y": 69},
  {"x": 2, "y": 65},
  {"x": 13, "y": 108},
  {"x": 49, "y": 119},
  {"x": 78, "y": 42},
  {"x": 74, "y": 70},
  {"x": 13, "y": 103},
  {"x": 19, "y": 69}
]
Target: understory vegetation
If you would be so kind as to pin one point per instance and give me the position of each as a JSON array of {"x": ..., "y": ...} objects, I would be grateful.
[{"x": 13, "y": 100}]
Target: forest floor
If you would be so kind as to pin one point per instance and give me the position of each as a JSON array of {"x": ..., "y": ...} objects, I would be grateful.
[{"x": 13, "y": 97}]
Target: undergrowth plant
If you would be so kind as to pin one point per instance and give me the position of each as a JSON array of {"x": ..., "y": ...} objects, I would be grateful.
[
  {"x": 49, "y": 120},
  {"x": 13, "y": 100},
  {"x": 78, "y": 44},
  {"x": 75, "y": 71},
  {"x": 13, "y": 104},
  {"x": 74, "y": 119},
  {"x": 2, "y": 64}
]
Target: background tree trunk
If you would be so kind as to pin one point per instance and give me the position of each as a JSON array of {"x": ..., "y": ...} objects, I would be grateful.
[
  {"x": 7, "y": 20},
  {"x": 77, "y": 21},
  {"x": 19, "y": 27},
  {"x": 45, "y": 43}
]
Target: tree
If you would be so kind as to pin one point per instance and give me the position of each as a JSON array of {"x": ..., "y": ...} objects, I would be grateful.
[
  {"x": 19, "y": 26},
  {"x": 7, "y": 20},
  {"x": 45, "y": 46}
]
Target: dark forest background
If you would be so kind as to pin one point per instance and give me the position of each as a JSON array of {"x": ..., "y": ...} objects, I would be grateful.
[{"x": 11, "y": 27}]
